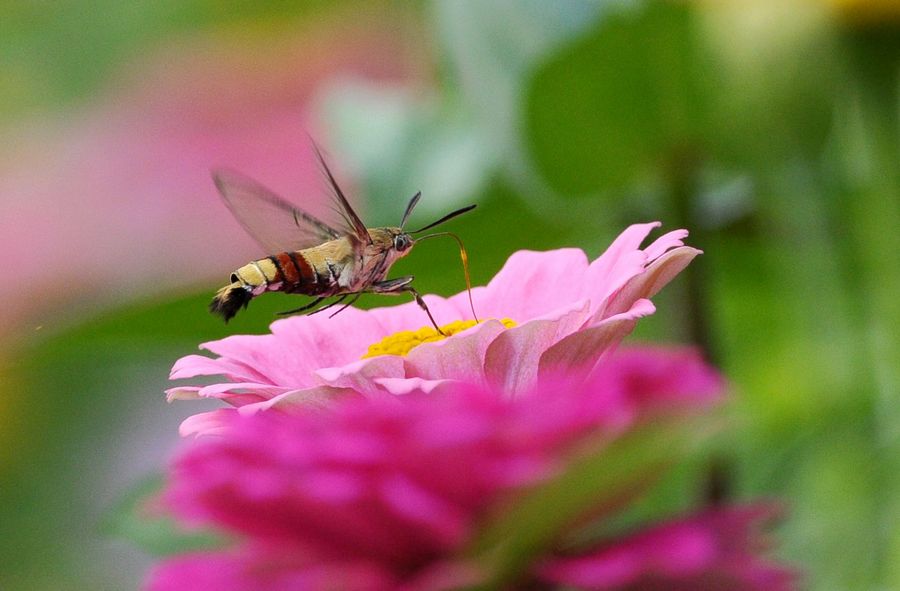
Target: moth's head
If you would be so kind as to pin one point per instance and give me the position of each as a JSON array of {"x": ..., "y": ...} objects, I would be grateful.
[{"x": 402, "y": 241}]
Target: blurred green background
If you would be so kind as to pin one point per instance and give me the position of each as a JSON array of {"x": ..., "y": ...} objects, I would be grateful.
[{"x": 770, "y": 129}]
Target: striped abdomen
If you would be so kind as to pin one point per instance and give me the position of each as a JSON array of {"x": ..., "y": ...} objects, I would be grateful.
[{"x": 289, "y": 272}]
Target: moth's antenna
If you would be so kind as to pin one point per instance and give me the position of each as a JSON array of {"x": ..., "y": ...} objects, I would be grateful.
[
  {"x": 449, "y": 216},
  {"x": 409, "y": 208},
  {"x": 462, "y": 254}
]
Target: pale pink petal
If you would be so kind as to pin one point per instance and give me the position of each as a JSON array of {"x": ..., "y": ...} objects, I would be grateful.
[
  {"x": 665, "y": 243},
  {"x": 457, "y": 358},
  {"x": 581, "y": 350},
  {"x": 318, "y": 397},
  {"x": 403, "y": 386},
  {"x": 657, "y": 275},
  {"x": 511, "y": 361},
  {"x": 191, "y": 366},
  {"x": 532, "y": 284},
  {"x": 410, "y": 316},
  {"x": 229, "y": 389},
  {"x": 602, "y": 282},
  {"x": 330, "y": 341},
  {"x": 627, "y": 242},
  {"x": 360, "y": 375},
  {"x": 460, "y": 301},
  {"x": 207, "y": 423},
  {"x": 302, "y": 344},
  {"x": 183, "y": 393}
]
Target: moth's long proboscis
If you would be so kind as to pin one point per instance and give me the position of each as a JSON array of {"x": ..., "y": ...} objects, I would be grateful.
[{"x": 465, "y": 262}]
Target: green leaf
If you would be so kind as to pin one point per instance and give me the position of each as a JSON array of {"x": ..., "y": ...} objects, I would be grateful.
[
  {"x": 605, "y": 109},
  {"x": 137, "y": 519},
  {"x": 599, "y": 482}
]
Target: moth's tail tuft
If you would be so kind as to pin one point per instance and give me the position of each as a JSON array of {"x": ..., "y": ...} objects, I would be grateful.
[{"x": 229, "y": 300}]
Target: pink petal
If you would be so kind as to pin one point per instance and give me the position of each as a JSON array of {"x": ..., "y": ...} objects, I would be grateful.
[
  {"x": 532, "y": 284},
  {"x": 657, "y": 275},
  {"x": 511, "y": 361},
  {"x": 361, "y": 375},
  {"x": 460, "y": 301},
  {"x": 601, "y": 283},
  {"x": 460, "y": 357},
  {"x": 403, "y": 386},
  {"x": 581, "y": 350},
  {"x": 229, "y": 389},
  {"x": 627, "y": 242},
  {"x": 410, "y": 316},
  {"x": 206, "y": 423},
  {"x": 319, "y": 397},
  {"x": 191, "y": 366},
  {"x": 183, "y": 393},
  {"x": 664, "y": 243}
]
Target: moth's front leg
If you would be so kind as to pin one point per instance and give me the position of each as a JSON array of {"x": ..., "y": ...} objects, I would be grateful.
[
  {"x": 392, "y": 286},
  {"x": 404, "y": 285}
]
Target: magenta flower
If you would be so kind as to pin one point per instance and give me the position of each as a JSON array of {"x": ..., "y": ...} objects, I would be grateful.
[
  {"x": 713, "y": 550},
  {"x": 544, "y": 313},
  {"x": 395, "y": 493}
]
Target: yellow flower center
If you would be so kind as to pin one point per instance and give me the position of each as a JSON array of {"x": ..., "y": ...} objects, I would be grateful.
[{"x": 401, "y": 343}]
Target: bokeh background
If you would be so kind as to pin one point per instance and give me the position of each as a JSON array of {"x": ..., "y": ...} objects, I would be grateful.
[{"x": 769, "y": 128}]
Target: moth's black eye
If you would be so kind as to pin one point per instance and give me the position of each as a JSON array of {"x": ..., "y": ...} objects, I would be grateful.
[{"x": 402, "y": 242}]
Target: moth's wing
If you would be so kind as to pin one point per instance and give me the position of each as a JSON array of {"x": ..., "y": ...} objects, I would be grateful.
[
  {"x": 274, "y": 223},
  {"x": 352, "y": 224}
]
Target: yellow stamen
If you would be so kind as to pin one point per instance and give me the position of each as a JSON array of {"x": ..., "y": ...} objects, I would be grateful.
[{"x": 401, "y": 343}]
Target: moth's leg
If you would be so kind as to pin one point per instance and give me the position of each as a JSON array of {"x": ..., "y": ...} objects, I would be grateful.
[
  {"x": 334, "y": 303},
  {"x": 404, "y": 285},
  {"x": 313, "y": 304},
  {"x": 347, "y": 305},
  {"x": 391, "y": 286}
]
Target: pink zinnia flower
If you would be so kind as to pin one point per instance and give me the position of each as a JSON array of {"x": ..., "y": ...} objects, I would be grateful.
[
  {"x": 395, "y": 493},
  {"x": 544, "y": 313}
]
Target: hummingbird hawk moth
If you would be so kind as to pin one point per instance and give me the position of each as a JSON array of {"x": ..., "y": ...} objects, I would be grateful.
[{"x": 315, "y": 258}]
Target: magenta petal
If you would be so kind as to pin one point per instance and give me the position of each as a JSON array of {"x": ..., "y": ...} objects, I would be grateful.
[
  {"x": 444, "y": 523},
  {"x": 581, "y": 350},
  {"x": 657, "y": 275},
  {"x": 275, "y": 569},
  {"x": 716, "y": 549},
  {"x": 511, "y": 362},
  {"x": 457, "y": 358}
]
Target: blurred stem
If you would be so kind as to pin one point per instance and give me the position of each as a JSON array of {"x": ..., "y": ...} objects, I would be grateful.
[
  {"x": 682, "y": 172},
  {"x": 872, "y": 193},
  {"x": 682, "y": 176}
]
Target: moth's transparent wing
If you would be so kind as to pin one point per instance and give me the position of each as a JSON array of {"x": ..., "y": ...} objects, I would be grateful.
[
  {"x": 352, "y": 224},
  {"x": 274, "y": 223}
]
